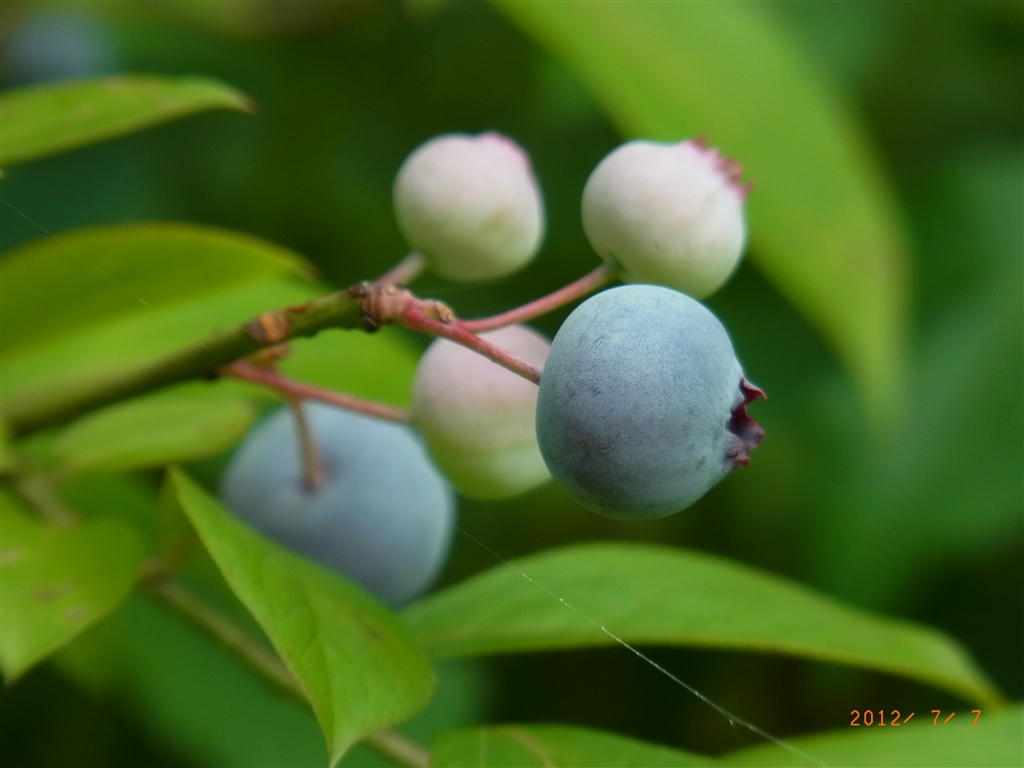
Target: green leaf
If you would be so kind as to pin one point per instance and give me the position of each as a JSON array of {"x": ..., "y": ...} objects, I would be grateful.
[
  {"x": 519, "y": 746},
  {"x": 949, "y": 479},
  {"x": 57, "y": 582},
  {"x": 192, "y": 693},
  {"x": 378, "y": 366},
  {"x": 824, "y": 226},
  {"x": 175, "y": 536},
  {"x": 182, "y": 685},
  {"x": 174, "y": 426},
  {"x": 661, "y": 596},
  {"x": 130, "y": 498},
  {"x": 8, "y": 453},
  {"x": 57, "y": 370},
  {"x": 93, "y": 660},
  {"x": 357, "y": 665},
  {"x": 41, "y": 120},
  {"x": 997, "y": 740},
  {"x": 59, "y": 286}
]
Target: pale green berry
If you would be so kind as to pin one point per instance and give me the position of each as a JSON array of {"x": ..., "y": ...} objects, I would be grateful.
[
  {"x": 478, "y": 418},
  {"x": 471, "y": 205},
  {"x": 669, "y": 214}
]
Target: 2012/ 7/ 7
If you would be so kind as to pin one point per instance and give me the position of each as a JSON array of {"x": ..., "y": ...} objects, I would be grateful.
[{"x": 868, "y": 717}]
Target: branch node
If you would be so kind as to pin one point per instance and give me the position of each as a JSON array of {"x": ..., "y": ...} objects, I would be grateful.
[
  {"x": 359, "y": 290},
  {"x": 269, "y": 328},
  {"x": 437, "y": 310}
]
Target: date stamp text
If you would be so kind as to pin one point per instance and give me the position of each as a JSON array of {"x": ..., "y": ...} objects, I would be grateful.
[{"x": 896, "y": 718}]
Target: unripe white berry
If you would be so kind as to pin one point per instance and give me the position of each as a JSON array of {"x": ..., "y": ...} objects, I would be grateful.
[
  {"x": 471, "y": 205},
  {"x": 479, "y": 418},
  {"x": 669, "y": 214}
]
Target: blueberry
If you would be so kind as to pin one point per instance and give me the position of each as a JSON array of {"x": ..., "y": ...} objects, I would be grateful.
[
  {"x": 641, "y": 406},
  {"x": 471, "y": 205},
  {"x": 383, "y": 517},
  {"x": 478, "y": 418},
  {"x": 670, "y": 214}
]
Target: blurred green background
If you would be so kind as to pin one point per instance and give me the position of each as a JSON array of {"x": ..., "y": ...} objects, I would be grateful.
[{"x": 921, "y": 516}]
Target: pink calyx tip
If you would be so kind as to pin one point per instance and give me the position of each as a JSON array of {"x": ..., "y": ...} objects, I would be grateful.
[
  {"x": 746, "y": 433},
  {"x": 731, "y": 169},
  {"x": 506, "y": 144}
]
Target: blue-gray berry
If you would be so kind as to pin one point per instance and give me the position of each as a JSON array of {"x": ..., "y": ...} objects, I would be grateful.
[
  {"x": 384, "y": 516},
  {"x": 641, "y": 406}
]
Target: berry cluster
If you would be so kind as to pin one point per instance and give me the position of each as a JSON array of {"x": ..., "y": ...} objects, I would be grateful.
[{"x": 641, "y": 403}]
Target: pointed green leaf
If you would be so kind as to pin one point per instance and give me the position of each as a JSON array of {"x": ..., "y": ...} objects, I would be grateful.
[
  {"x": 41, "y": 120},
  {"x": 59, "y": 370},
  {"x": 8, "y": 453},
  {"x": 661, "y": 596},
  {"x": 57, "y": 287},
  {"x": 57, "y": 582},
  {"x": 358, "y": 667},
  {"x": 996, "y": 740},
  {"x": 378, "y": 366},
  {"x": 520, "y": 746},
  {"x": 179, "y": 425},
  {"x": 824, "y": 227},
  {"x": 192, "y": 693},
  {"x": 129, "y": 498}
]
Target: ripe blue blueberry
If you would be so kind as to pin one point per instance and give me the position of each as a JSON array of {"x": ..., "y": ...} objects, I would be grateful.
[
  {"x": 641, "y": 406},
  {"x": 383, "y": 517}
]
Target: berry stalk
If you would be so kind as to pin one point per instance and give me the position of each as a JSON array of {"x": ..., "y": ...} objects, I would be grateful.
[
  {"x": 200, "y": 360},
  {"x": 586, "y": 284},
  {"x": 404, "y": 272},
  {"x": 415, "y": 318},
  {"x": 353, "y": 308},
  {"x": 296, "y": 389},
  {"x": 312, "y": 467}
]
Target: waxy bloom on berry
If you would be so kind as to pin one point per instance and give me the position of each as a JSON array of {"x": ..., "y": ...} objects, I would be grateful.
[
  {"x": 642, "y": 405},
  {"x": 384, "y": 516},
  {"x": 471, "y": 205},
  {"x": 478, "y": 418},
  {"x": 669, "y": 214}
]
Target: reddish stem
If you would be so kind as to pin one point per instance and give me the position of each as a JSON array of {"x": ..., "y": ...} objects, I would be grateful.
[
  {"x": 312, "y": 468},
  {"x": 603, "y": 274},
  {"x": 269, "y": 378},
  {"x": 404, "y": 272},
  {"x": 414, "y": 318}
]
